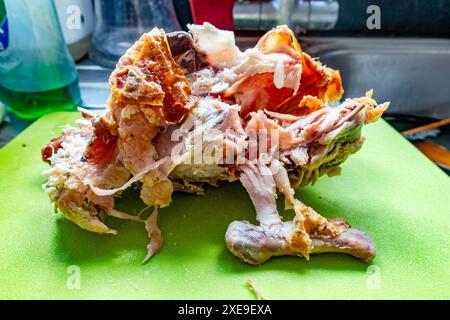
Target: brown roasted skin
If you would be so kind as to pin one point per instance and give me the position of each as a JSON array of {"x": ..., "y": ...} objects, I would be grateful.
[
  {"x": 147, "y": 74},
  {"x": 101, "y": 148},
  {"x": 52, "y": 147},
  {"x": 318, "y": 81},
  {"x": 259, "y": 91}
]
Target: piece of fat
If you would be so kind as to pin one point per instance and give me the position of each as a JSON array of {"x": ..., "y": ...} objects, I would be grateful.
[{"x": 219, "y": 45}]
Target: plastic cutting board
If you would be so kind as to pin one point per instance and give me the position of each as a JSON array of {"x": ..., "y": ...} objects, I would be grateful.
[{"x": 388, "y": 189}]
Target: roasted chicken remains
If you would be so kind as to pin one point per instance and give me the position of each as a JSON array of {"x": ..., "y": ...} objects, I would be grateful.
[{"x": 191, "y": 109}]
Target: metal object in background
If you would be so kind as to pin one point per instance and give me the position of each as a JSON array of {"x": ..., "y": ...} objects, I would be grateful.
[
  {"x": 411, "y": 73},
  {"x": 297, "y": 14},
  {"x": 94, "y": 84},
  {"x": 119, "y": 23}
]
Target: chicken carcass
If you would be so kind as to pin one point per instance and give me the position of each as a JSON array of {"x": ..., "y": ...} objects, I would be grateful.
[{"x": 188, "y": 110}]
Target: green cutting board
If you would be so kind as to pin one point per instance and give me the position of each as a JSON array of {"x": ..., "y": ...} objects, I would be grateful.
[{"x": 388, "y": 189}]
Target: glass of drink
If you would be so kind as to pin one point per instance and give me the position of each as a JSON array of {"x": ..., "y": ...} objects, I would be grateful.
[{"x": 120, "y": 23}]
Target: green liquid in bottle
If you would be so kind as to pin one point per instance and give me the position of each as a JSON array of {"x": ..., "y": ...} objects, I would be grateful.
[
  {"x": 32, "y": 105},
  {"x": 37, "y": 74}
]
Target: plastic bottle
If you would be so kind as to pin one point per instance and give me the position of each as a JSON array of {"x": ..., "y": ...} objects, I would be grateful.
[{"x": 37, "y": 73}]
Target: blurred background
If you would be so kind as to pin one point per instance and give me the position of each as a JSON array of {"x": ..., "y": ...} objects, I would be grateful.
[{"x": 56, "y": 55}]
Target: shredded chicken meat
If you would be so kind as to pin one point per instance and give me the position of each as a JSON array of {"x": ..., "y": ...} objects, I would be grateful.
[{"x": 191, "y": 109}]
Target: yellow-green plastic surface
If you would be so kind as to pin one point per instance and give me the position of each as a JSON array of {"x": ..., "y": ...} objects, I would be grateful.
[{"x": 388, "y": 189}]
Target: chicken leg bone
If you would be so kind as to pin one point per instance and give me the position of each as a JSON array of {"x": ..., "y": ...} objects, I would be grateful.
[
  {"x": 257, "y": 244},
  {"x": 308, "y": 233}
]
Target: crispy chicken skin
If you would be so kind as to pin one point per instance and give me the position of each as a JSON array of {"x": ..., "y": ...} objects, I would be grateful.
[
  {"x": 148, "y": 75},
  {"x": 190, "y": 109}
]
